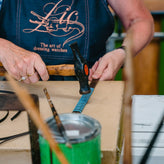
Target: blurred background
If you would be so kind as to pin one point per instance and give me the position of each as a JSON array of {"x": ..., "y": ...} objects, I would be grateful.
[{"x": 148, "y": 64}]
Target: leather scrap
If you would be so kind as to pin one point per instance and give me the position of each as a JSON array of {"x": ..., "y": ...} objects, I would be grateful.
[{"x": 11, "y": 102}]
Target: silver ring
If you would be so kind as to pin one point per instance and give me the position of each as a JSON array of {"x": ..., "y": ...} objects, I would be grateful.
[{"x": 23, "y": 78}]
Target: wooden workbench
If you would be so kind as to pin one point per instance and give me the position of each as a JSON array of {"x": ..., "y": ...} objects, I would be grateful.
[{"x": 104, "y": 105}]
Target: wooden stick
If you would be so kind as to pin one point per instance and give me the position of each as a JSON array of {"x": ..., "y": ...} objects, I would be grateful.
[
  {"x": 57, "y": 119},
  {"x": 62, "y": 70},
  {"x": 127, "y": 102},
  {"x": 31, "y": 108}
]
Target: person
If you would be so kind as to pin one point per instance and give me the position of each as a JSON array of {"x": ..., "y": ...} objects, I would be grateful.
[{"x": 36, "y": 33}]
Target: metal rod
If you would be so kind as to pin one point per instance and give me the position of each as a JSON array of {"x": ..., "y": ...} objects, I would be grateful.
[{"x": 122, "y": 35}]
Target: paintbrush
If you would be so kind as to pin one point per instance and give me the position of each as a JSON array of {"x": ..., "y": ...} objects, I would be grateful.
[
  {"x": 57, "y": 119},
  {"x": 33, "y": 111}
]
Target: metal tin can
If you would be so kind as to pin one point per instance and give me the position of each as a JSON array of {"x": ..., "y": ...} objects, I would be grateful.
[{"x": 84, "y": 134}]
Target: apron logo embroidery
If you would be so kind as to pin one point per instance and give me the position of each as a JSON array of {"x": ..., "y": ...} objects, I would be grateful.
[{"x": 59, "y": 21}]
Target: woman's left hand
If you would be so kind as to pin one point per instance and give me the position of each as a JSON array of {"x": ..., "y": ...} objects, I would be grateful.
[{"x": 107, "y": 67}]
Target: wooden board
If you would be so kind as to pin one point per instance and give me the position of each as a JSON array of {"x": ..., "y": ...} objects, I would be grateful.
[{"x": 104, "y": 105}]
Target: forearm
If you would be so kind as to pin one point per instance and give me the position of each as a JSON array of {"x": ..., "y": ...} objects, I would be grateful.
[
  {"x": 142, "y": 33},
  {"x": 137, "y": 20}
]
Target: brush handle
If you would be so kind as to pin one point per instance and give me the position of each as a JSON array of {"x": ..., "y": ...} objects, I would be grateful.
[
  {"x": 57, "y": 118},
  {"x": 62, "y": 70}
]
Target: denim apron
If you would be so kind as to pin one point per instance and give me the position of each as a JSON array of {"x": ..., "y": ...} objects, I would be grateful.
[{"x": 48, "y": 27}]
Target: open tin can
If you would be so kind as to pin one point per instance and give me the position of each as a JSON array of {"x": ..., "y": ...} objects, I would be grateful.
[{"x": 84, "y": 134}]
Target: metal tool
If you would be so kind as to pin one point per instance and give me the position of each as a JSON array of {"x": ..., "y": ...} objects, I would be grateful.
[
  {"x": 57, "y": 119},
  {"x": 81, "y": 69},
  {"x": 84, "y": 98},
  {"x": 63, "y": 70}
]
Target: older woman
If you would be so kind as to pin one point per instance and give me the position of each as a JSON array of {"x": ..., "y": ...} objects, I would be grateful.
[{"x": 36, "y": 33}]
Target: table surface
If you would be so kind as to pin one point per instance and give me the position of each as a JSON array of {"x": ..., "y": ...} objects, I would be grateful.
[{"x": 104, "y": 105}]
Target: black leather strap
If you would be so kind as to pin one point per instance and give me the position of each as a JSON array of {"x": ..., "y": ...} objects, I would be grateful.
[{"x": 8, "y": 138}]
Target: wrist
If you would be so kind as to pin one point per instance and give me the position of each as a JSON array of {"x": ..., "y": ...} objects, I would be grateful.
[
  {"x": 123, "y": 50},
  {"x": 122, "y": 47}
]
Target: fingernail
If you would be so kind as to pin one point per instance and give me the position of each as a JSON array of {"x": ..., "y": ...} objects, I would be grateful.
[{"x": 95, "y": 76}]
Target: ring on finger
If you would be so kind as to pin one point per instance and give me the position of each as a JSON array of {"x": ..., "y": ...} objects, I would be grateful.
[
  {"x": 23, "y": 78},
  {"x": 30, "y": 74}
]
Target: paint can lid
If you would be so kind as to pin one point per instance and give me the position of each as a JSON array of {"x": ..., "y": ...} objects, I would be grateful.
[{"x": 79, "y": 127}]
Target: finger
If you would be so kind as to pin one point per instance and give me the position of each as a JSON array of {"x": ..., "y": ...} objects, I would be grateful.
[
  {"x": 92, "y": 70},
  {"x": 34, "y": 77},
  {"x": 12, "y": 71},
  {"x": 107, "y": 75},
  {"x": 23, "y": 79},
  {"x": 21, "y": 67},
  {"x": 90, "y": 74},
  {"x": 100, "y": 68},
  {"x": 25, "y": 69},
  {"x": 32, "y": 74},
  {"x": 40, "y": 67},
  {"x": 26, "y": 81},
  {"x": 94, "y": 67}
]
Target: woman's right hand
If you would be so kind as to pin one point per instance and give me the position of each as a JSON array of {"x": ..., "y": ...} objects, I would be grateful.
[{"x": 19, "y": 63}]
